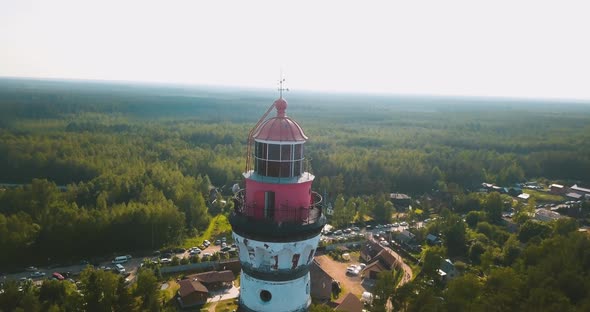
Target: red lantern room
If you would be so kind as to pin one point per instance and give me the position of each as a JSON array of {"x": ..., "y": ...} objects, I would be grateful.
[{"x": 278, "y": 188}]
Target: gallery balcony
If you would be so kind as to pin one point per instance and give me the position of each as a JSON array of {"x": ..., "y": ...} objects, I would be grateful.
[{"x": 284, "y": 223}]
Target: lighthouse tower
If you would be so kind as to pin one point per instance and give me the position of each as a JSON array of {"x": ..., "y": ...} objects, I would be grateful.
[{"x": 277, "y": 218}]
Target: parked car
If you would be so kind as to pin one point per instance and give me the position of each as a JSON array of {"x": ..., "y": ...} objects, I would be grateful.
[
  {"x": 120, "y": 269},
  {"x": 353, "y": 270},
  {"x": 178, "y": 250},
  {"x": 57, "y": 276},
  {"x": 31, "y": 269},
  {"x": 195, "y": 251},
  {"x": 165, "y": 260},
  {"x": 206, "y": 243},
  {"x": 217, "y": 242},
  {"x": 37, "y": 274}
]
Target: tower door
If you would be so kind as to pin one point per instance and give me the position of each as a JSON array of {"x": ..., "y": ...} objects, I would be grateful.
[{"x": 269, "y": 204}]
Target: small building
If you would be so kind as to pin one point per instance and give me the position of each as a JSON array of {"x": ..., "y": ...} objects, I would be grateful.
[
  {"x": 214, "y": 279},
  {"x": 192, "y": 293},
  {"x": 546, "y": 215},
  {"x": 433, "y": 240},
  {"x": 405, "y": 237},
  {"x": 514, "y": 191},
  {"x": 524, "y": 196},
  {"x": 350, "y": 303},
  {"x": 448, "y": 268},
  {"x": 580, "y": 190},
  {"x": 400, "y": 200},
  {"x": 557, "y": 189},
  {"x": 487, "y": 186},
  {"x": 574, "y": 196},
  {"x": 321, "y": 282}
]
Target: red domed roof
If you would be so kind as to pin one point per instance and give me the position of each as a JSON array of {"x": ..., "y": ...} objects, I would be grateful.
[{"x": 280, "y": 128}]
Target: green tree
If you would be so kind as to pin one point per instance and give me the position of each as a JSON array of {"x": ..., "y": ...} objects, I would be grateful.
[
  {"x": 493, "y": 207},
  {"x": 532, "y": 229},
  {"x": 463, "y": 294},
  {"x": 147, "y": 289}
]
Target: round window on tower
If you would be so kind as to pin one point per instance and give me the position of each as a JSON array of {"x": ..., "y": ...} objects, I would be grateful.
[{"x": 265, "y": 296}]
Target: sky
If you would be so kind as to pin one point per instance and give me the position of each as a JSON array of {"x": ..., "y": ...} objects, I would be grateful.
[{"x": 531, "y": 49}]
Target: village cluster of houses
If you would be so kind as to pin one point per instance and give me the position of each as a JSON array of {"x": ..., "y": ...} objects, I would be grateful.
[{"x": 573, "y": 192}]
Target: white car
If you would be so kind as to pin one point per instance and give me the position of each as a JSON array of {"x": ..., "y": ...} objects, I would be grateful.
[
  {"x": 165, "y": 260},
  {"x": 353, "y": 270},
  {"x": 37, "y": 274},
  {"x": 195, "y": 251}
]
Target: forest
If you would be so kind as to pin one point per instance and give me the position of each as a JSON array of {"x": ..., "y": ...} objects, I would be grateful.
[
  {"x": 90, "y": 169},
  {"x": 96, "y": 167}
]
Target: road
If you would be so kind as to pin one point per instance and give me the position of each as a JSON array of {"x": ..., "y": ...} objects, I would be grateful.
[{"x": 130, "y": 266}]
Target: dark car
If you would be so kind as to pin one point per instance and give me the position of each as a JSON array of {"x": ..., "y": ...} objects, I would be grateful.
[{"x": 178, "y": 250}]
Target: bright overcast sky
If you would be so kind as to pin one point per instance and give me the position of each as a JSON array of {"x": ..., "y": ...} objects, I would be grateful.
[{"x": 488, "y": 48}]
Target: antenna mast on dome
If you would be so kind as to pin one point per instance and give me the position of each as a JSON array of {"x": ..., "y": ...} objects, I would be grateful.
[{"x": 281, "y": 89}]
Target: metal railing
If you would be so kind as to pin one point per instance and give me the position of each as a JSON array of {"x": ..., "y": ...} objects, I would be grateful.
[
  {"x": 287, "y": 222},
  {"x": 285, "y": 213}
]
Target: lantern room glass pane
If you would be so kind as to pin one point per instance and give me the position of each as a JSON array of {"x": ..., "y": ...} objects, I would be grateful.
[
  {"x": 273, "y": 169},
  {"x": 297, "y": 168},
  {"x": 274, "y": 152},
  {"x": 285, "y": 169},
  {"x": 298, "y": 151},
  {"x": 286, "y": 152}
]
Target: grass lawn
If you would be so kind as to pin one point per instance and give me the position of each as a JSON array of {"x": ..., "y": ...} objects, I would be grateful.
[
  {"x": 543, "y": 197},
  {"x": 227, "y": 305},
  {"x": 218, "y": 226}
]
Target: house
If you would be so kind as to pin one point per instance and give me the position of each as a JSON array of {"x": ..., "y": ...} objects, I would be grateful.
[
  {"x": 350, "y": 303},
  {"x": 433, "y": 240},
  {"x": 447, "y": 270},
  {"x": 369, "y": 250},
  {"x": 405, "y": 237},
  {"x": 321, "y": 282},
  {"x": 214, "y": 279},
  {"x": 192, "y": 293},
  {"x": 557, "y": 189},
  {"x": 400, "y": 200},
  {"x": 546, "y": 215},
  {"x": 383, "y": 261}
]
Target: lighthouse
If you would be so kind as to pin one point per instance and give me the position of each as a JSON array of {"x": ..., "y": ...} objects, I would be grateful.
[{"x": 277, "y": 218}]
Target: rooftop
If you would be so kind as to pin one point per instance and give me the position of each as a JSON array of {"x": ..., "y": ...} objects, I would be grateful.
[{"x": 280, "y": 128}]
